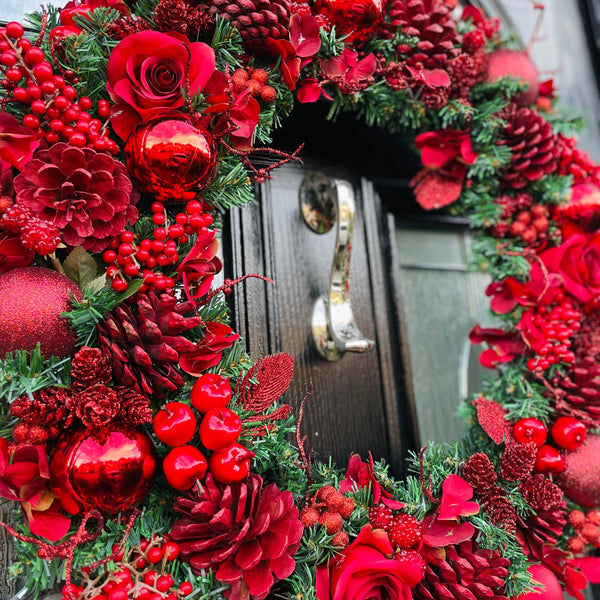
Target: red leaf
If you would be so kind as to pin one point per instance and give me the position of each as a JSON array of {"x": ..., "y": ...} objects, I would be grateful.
[
  {"x": 273, "y": 375},
  {"x": 492, "y": 418}
]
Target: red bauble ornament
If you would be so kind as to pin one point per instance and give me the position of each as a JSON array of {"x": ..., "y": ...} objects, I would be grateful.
[
  {"x": 210, "y": 391},
  {"x": 357, "y": 18},
  {"x": 552, "y": 588},
  {"x": 109, "y": 468},
  {"x": 171, "y": 156},
  {"x": 512, "y": 63},
  {"x": 31, "y": 300},
  {"x": 579, "y": 481}
]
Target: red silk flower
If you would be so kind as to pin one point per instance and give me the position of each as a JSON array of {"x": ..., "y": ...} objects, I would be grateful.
[
  {"x": 147, "y": 71},
  {"x": 208, "y": 351},
  {"x": 504, "y": 345},
  {"x": 368, "y": 569},
  {"x": 17, "y": 142}
]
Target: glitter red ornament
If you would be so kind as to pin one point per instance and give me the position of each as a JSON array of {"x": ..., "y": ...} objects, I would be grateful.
[
  {"x": 355, "y": 18},
  {"x": 579, "y": 481},
  {"x": 31, "y": 302},
  {"x": 171, "y": 156},
  {"x": 109, "y": 468},
  {"x": 513, "y": 63},
  {"x": 550, "y": 588}
]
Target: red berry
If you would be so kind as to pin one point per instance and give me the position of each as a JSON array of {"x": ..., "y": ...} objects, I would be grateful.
[
  {"x": 340, "y": 539},
  {"x": 220, "y": 428},
  {"x": 406, "y": 531},
  {"x": 183, "y": 466},
  {"x": 568, "y": 433},
  {"x": 14, "y": 30},
  {"x": 186, "y": 588},
  {"x": 155, "y": 554},
  {"x": 119, "y": 285},
  {"x": 150, "y": 577},
  {"x": 210, "y": 391},
  {"x": 309, "y": 516},
  {"x": 31, "y": 121},
  {"x": 175, "y": 424},
  {"x": 43, "y": 71},
  {"x": 549, "y": 460},
  {"x": 171, "y": 550},
  {"x": 109, "y": 256},
  {"x": 530, "y": 430},
  {"x": 332, "y": 521},
  {"x": 164, "y": 583},
  {"x": 230, "y": 465}
]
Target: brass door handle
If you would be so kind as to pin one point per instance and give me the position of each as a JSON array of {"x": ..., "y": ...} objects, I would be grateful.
[{"x": 323, "y": 202}]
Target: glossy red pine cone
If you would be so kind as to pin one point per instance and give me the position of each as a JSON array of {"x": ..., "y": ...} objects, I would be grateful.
[{"x": 244, "y": 531}]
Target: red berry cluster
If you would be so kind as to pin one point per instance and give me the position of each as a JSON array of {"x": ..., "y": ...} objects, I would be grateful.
[
  {"x": 568, "y": 433},
  {"x": 256, "y": 81},
  {"x": 176, "y": 423},
  {"x": 126, "y": 259},
  {"x": 140, "y": 573},
  {"x": 575, "y": 162},
  {"x": 523, "y": 219},
  {"x": 476, "y": 39},
  {"x": 329, "y": 508},
  {"x": 404, "y": 530},
  {"x": 35, "y": 234},
  {"x": 587, "y": 530},
  {"x": 55, "y": 112},
  {"x": 557, "y": 325}
]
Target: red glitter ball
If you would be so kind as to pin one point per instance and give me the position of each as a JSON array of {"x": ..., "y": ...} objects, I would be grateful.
[
  {"x": 516, "y": 64},
  {"x": 31, "y": 300},
  {"x": 579, "y": 481},
  {"x": 355, "y": 18}
]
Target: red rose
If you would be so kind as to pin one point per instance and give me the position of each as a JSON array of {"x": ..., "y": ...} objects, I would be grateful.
[
  {"x": 368, "y": 569},
  {"x": 577, "y": 261},
  {"x": 147, "y": 71}
]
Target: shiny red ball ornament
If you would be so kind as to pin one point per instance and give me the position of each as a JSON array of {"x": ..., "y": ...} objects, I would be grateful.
[
  {"x": 355, "y": 18},
  {"x": 568, "y": 433},
  {"x": 530, "y": 430},
  {"x": 549, "y": 588},
  {"x": 549, "y": 460},
  {"x": 579, "y": 481},
  {"x": 172, "y": 156},
  {"x": 31, "y": 302},
  {"x": 109, "y": 468},
  {"x": 516, "y": 64}
]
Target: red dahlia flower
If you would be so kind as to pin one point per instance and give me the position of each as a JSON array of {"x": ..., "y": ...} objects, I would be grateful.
[
  {"x": 86, "y": 194},
  {"x": 247, "y": 533}
]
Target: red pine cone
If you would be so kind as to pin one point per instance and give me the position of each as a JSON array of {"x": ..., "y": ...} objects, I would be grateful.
[
  {"x": 89, "y": 367},
  {"x": 541, "y": 529},
  {"x": 48, "y": 409},
  {"x": 535, "y": 147},
  {"x": 430, "y": 21},
  {"x": 517, "y": 461},
  {"x": 145, "y": 346},
  {"x": 86, "y": 194},
  {"x": 500, "y": 510},
  {"x": 246, "y": 533},
  {"x": 462, "y": 571},
  {"x": 96, "y": 405},
  {"x": 256, "y": 20},
  {"x": 541, "y": 493},
  {"x": 479, "y": 473},
  {"x": 134, "y": 408}
]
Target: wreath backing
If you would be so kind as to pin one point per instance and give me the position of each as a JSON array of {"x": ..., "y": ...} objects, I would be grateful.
[{"x": 145, "y": 455}]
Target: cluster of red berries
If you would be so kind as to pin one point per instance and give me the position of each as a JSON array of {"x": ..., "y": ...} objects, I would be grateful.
[
  {"x": 523, "y": 219},
  {"x": 35, "y": 234},
  {"x": 256, "y": 81},
  {"x": 568, "y": 433},
  {"x": 176, "y": 424},
  {"x": 329, "y": 508},
  {"x": 587, "y": 530},
  {"x": 127, "y": 260},
  {"x": 140, "y": 573},
  {"x": 476, "y": 39},
  {"x": 404, "y": 530},
  {"x": 55, "y": 112},
  {"x": 557, "y": 325},
  {"x": 575, "y": 162}
]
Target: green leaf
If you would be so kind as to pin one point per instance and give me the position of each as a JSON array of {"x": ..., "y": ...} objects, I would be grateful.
[{"x": 80, "y": 267}]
